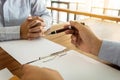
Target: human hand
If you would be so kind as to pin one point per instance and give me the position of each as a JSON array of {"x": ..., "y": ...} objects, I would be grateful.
[
  {"x": 32, "y": 28},
  {"x": 37, "y": 73},
  {"x": 83, "y": 38}
]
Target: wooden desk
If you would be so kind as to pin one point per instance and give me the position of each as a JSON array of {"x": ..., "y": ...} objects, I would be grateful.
[{"x": 105, "y": 30}]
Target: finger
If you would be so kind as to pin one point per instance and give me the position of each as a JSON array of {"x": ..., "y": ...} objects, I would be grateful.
[
  {"x": 67, "y": 25},
  {"x": 29, "y": 18},
  {"x": 36, "y": 18},
  {"x": 32, "y": 36},
  {"x": 79, "y": 41},
  {"x": 73, "y": 39},
  {"x": 39, "y": 29},
  {"x": 69, "y": 31},
  {"x": 36, "y": 29},
  {"x": 77, "y": 25},
  {"x": 39, "y": 18},
  {"x": 34, "y": 23},
  {"x": 42, "y": 24},
  {"x": 42, "y": 33},
  {"x": 74, "y": 30}
]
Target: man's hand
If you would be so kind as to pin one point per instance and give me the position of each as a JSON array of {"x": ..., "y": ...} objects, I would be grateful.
[
  {"x": 32, "y": 28},
  {"x": 37, "y": 73},
  {"x": 83, "y": 38}
]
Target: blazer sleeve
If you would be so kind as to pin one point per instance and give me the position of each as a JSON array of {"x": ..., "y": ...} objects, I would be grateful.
[{"x": 110, "y": 51}]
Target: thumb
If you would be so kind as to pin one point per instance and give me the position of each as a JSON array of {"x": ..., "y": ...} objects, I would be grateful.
[{"x": 77, "y": 25}]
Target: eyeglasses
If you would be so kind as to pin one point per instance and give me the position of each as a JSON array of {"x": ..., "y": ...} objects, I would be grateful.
[{"x": 50, "y": 57}]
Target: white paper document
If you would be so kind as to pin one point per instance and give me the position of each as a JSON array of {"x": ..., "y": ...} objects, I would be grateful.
[
  {"x": 76, "y": 66},
  {"x": 71, "y": 64},
  {"x": 25, "y": 51},
  {"x": 5, "y": 74}
]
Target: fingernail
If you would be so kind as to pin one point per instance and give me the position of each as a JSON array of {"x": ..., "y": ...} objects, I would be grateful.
[{"x": 29, "y": 18}]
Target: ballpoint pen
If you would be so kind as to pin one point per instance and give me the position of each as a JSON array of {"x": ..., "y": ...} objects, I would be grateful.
[{"x": 64, "y": 29}]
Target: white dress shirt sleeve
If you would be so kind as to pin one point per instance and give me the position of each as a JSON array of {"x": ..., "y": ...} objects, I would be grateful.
[
  {"x": 15, "y": 16},
  {"x": 39, "y": 9},
  {"x": 110, "y": 51},
  {"x": 9, "y": 33}
]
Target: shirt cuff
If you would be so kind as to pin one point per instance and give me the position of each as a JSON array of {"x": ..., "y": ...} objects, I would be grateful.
[
  {"x": 48, "y": 22},
  {"x": 110, "y": 51},
  {"x": 10, "y": 33}
]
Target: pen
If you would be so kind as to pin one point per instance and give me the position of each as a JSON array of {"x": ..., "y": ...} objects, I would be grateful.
[{"x": 62, "y": 30}]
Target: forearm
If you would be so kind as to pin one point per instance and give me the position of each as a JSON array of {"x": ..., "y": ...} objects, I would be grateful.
[
  {"x": 9, "y": 33},
  {"x": 110, "y": 51}
]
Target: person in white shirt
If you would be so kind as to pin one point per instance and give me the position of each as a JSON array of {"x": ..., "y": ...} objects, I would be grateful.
[
  {"x": 14, "y": 23},
  {"x": 84, "y": 39}
]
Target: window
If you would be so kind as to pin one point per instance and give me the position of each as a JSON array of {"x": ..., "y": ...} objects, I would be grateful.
[{"x": 103, "y": 7}]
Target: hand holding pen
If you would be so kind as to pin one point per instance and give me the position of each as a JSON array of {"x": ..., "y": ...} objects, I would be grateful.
[{"x": 84, "y": 39}]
